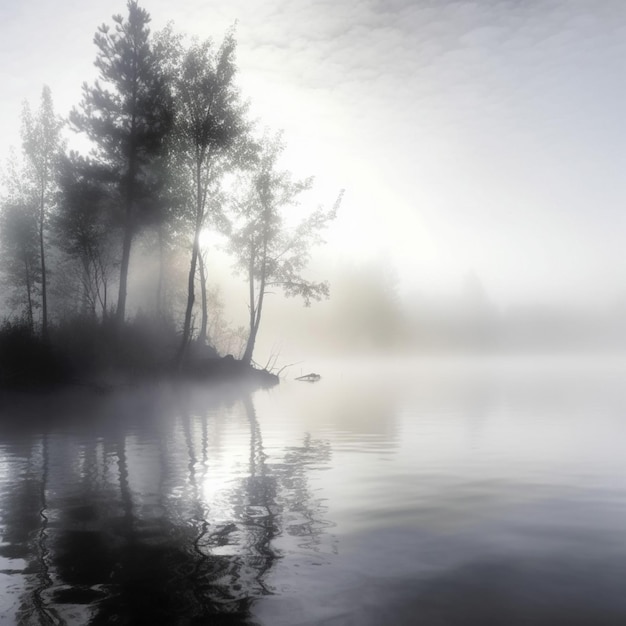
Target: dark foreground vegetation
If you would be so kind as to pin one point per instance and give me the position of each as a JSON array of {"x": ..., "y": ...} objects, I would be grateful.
[
  {"x": 88, "y": 240},
  {"x": 101, "y": 356}
]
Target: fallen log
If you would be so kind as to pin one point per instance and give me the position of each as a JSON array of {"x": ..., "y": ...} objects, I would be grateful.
[{"x": 309, "y": 378}]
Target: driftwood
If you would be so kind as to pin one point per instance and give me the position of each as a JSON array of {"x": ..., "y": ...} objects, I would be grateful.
[{"x": 309, "y": 378}]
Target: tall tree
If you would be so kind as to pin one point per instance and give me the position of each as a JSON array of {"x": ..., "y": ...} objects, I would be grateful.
[
  {"x": 126, "y": 114},
  {"x": 18, "y": 239},
  {"x": 41, "y": 140},
  {"x": 271, "y": 255},
  {"x": 209, "y": 131}
]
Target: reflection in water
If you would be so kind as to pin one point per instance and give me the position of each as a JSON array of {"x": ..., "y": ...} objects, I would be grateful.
[
  {"x": 117, "y": 525},
  {"x": 47, "y": 615},
  {"x": 259, "y": 511},
  {"x": 459, "y": 493}
]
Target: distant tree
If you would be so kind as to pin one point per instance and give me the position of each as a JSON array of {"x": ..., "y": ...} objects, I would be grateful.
[
  {"x": 19, "y": 246},
  {"x": 209, "y": 129},
  {"x": 366, "y": 313},
  {"x": 127, "y": 117},
  {"x": 269, "y": 253},
  {"x": 42, "y": 145}
]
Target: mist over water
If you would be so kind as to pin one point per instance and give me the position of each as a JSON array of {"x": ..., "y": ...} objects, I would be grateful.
[
  {"x": 456, "y": 455},
  {"x": 455, "y": 491}
]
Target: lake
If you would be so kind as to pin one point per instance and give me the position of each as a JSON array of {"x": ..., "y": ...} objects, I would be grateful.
[{"x": 432, "y": 492}]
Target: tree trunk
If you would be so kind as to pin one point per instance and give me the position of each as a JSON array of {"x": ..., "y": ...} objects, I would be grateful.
[
  {"x": 126, "y": 245},
  {"x": 28, "y": 293},
  {"x": 255, "y": 311},
  {"x": 161, "y": 279},
  {"x": 87, "y": 304},
  {"x": 44, "y": 295},
  {"x": 129, "y": 197},
  {"x": 190, "y": 303},
  {"x": 202, "y": 336},
  {"x": 247, "y": 354},
  {"x": 192, "y": 269},
  {"x": 256, "y": 308}
]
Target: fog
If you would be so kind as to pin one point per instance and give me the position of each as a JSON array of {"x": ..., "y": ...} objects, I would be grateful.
[
  {"x": 371, "y": 312},
  {"x": 318, "y": 319},
  {"x": 470, "y": 137}
]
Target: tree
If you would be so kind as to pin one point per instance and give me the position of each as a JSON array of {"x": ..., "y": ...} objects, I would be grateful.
[
  {"x": 270, "y": 254},
  {"x": 41, "y": 141},
  {"x": 127, "y": 118},
  {"x": 366, "y": 312},
  {"x": 84, "y": 230},
  {"x": 18, "y": 239},
  {"x": 209, "y": 129}
]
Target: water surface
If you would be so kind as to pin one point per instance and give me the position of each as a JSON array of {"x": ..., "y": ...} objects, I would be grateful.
[{"x": 411, "y": 492}]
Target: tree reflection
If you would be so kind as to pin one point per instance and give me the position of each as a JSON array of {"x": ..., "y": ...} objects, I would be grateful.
[
  {"x": 117, "y": 527},
  {"x": 304, "y": 517},
  {"x": 257, "y": 505},
  {"x": 47, "y": 615},
  {"x": 25, "y": 522}
]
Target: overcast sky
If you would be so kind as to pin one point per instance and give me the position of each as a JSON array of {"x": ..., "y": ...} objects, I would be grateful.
[{"x": 484, "y": 136}]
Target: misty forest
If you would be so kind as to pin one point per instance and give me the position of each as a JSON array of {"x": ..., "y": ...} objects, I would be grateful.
[
  {"x": 232, "y": 394},
  {"x": 172, "y": 155},
  {"x": 108, "y": 266}
]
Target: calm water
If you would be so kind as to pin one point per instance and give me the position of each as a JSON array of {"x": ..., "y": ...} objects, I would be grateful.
[{"x": 429, "y": 493}]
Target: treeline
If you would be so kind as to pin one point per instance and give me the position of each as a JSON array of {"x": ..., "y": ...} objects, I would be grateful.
[
  {"x": 172, "y": 153},
  {"x": 370, "y": 315}
]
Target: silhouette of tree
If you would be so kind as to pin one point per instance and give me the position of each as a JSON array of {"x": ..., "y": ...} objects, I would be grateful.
[
  {"x": 42, "y": 145},
  {"x": 127, "y": 117},
  {"x": 209, "y": 129},
  {"x": 270, "y": 254}
]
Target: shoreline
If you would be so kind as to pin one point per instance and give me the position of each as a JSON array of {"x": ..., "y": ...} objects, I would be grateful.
[{"x": 207, "y": 371}]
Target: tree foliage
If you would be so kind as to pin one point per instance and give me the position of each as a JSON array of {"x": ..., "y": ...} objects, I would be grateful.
[
  {"x": 86, "y": 233},
  {"x": 269, "y": 253},
  {"x": 126, "y": 114},
  {"x": 209, "y": 133},
  {"x": 171, "y": 154}
]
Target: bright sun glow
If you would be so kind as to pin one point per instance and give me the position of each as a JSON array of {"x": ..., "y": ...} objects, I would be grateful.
[{"x": 210, "y": 239}]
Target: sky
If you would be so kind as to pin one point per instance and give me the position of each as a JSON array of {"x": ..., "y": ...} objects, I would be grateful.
[{"x": 483, "y": 137}]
